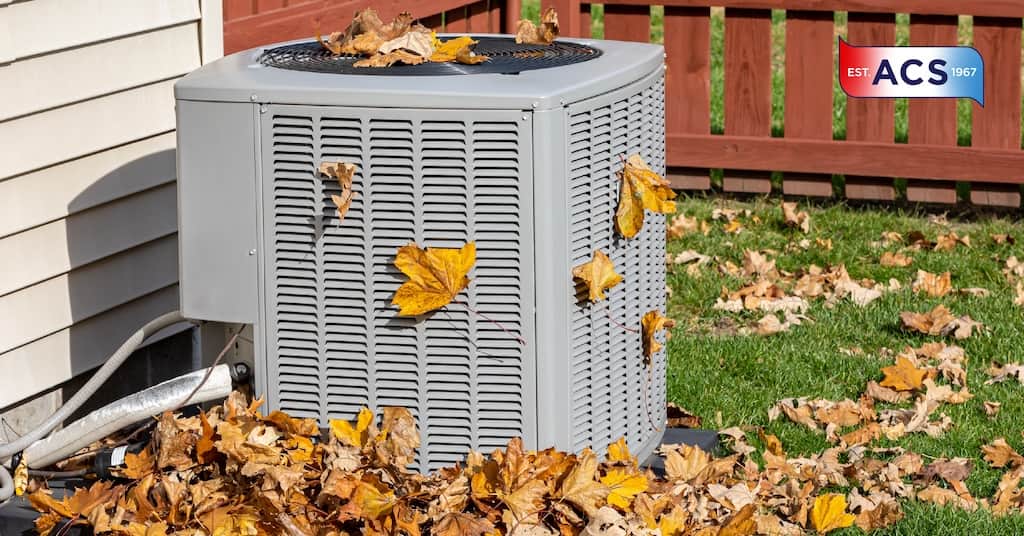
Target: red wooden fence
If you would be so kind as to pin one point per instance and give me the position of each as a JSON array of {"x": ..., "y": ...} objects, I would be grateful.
[
  {"x": 250, "y": 23},
  {"x": 869, "y": 157}
]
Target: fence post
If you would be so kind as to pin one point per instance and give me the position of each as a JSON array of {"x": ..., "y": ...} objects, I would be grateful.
[
  {"x": 568, "y": 17},
  {"x": 748, "y": 80},
  {"x": 998, "y": 123},
  {"x": 687, "y": 85}
]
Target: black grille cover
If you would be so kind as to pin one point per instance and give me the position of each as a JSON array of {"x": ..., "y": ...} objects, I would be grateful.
[{"x": 506, "y": 57}]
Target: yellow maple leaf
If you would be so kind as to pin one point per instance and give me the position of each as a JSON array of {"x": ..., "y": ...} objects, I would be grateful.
[
  {"x": 238, "y": 524},
  {"x": 372, "y": 502},
  {"x": 580, "y": 487},
  {"x": 673, "y": 522},
  {"x": 599, "y": 275},
  {"x": 357, "y": 435},
  {"x": 642, "y": 188},
  {"x": 829, "y": 513},
  {"x": 652, "y": 323},
  {"x": 619, "y": 452},
  {"x": 21, "y": 478},
  {"x": 623, "y": 486},
  {"x": 903, "y": 376},
  {"x": 446, "y": 50},
  {"x": 436, "y": 276},
  {"x": 343, "y": 172}
]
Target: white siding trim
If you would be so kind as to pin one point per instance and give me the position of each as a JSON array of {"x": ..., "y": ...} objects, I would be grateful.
[
  {"x": 55, "y": 248},
  {"x": 52, "y": 193},
  {"x": 46, "y": 138},
  {"x": 72, "y": 75},
  {"x": 58, "y": 303},
  {"x": 211, "y": 29},
  {"x": 45, "y": 363},
  {"x": 41, "y": 26}
]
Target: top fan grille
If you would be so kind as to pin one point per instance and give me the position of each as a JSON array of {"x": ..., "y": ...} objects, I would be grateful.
[{"x": 506, "y": 57}]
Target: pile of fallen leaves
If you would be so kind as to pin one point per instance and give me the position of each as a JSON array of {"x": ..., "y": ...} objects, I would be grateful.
[
  {"x": 405, "y": 41},
  {"x": 231, "y": 471}
]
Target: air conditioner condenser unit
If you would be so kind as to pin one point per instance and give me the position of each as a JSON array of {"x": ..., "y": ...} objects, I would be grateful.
[{"x": 519, "y": 155}]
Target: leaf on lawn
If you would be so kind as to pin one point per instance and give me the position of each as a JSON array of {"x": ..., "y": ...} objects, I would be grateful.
[
  {"x": 934, "y": 285},
  {"x": 683, "y": 225},
  {"x": 890, "y": 258},
  {"x": 641, "y": 188},
  {"x": 530, "y": 34},
  {"x": 949, "y": 241},
  {"x": 679, "y": 417},
  {"x": 794, "y": 218},
  {"x": 991, "y": 408},
  {"x": 598, "y": 274},
  {"x": 436, "y": 276},
  {"x": 1002, "y": 373},
  {"x": 939, "y": 321},
  {"x": 1002, "y": 238},
  {"x": 829, "y": 513},
  {"x": 999, "y": 453},
  {"x": 903, "y": 376},
  {"x": 343, "y": 172},
  {"x": 651, "y": 323}
]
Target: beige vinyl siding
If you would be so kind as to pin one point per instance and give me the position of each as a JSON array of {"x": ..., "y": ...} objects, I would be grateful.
[{"x": 88, "y": 243}]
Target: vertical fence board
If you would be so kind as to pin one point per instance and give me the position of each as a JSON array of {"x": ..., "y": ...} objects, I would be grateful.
[
  {"x": 511, "y": 10},
  {"x": 235, "y": 9},
  {"x": 627, "y": 23},
  {"x": 748, "y": 98},
  {"x": 870, "y": 119},
  {"x": 456, "y": 21},
  {"x": 585, "y": 22},
  {"x": 998, "y": 123},
  {"x": 932, "y": 121},
  {"x": 478, "y": 19},
  {"x": 569, "y": 24},
  {"x": 687, "y": 85},
  {"x": 434, "y": 22},
  {"x": 809, "y": 38}
]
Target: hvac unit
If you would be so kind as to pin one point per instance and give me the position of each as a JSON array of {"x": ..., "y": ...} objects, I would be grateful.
[{"x": 518, "y": 154}]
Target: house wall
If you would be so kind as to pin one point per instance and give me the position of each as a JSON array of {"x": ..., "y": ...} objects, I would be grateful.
[{"x": 88, "y": 246}]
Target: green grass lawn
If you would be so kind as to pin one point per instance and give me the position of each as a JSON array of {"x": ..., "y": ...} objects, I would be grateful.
[{"x": 732, "y": 380}]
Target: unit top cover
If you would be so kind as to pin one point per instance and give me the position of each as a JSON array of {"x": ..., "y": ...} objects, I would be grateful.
[{"x": 516, "y": 77}]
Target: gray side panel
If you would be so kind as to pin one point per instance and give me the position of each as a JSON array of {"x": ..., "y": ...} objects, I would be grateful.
[
  {"x": 334, "y": 342},
  {"x": 217, "y": 211},
  {"x": 554, "y": 280},
  {"x": 608, "y": 381}
]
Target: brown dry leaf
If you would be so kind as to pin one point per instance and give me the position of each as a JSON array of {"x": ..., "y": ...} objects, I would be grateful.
[
  {"x": 999, "y": 453},
  {"x": 372, "y": 502},
  {"x": 955, "y": 470},
  {"x": 641, "y": 189},
  {"x": 598, "y": 275},
  {"x": 942, "y": 497},
  {"x": 934, "y": 285},
  {"x": 436, "y": 277},
  {"x": 581, "y": 487},
  {"x": 651, "y": 323},
  {"x": 459, "y": 524},
  {"x": 685, "y": 463},
  {"x": 391, "y": 58},
  {"x": 1002, "y": 373},
  {"x": 683, "y": 225},
  {"x": 794, "y": 218},
  {"x": 1003, "y": 239},
  {"x": 343, "y": 172},
  {"x": 742, "y": 523},
  {"x": 365, "y": 44},
  {"x": 884, "y": 394},
  {"x": 939, "y": 321},
  {"x": 890, "y": 258},
  {"x": 414, "y": 42},
  {"x": 528, "y": 33},
  {"x": 949, "y": 241},
  {"x": 679, "y": 417},
  {"x": 991, "y": 408},
  {"x": 771, "y": 442},
  {"x": 829, "y": 513},
  {"x": 903, "y": 376}
]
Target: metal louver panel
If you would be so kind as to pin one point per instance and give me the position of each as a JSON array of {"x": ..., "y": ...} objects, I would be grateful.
[
  {"x": 608, "y": 377},
  {"x": 334, "y": 342}
]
